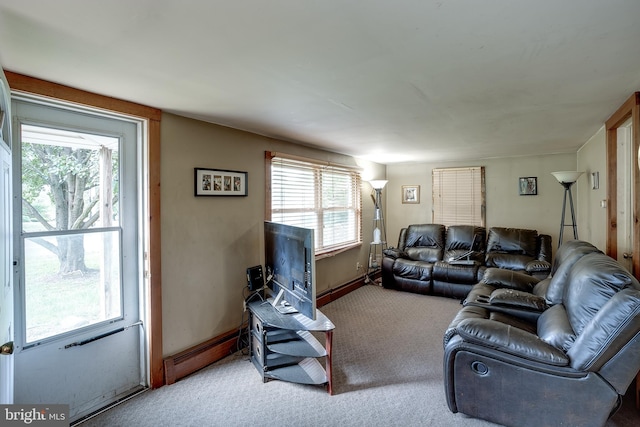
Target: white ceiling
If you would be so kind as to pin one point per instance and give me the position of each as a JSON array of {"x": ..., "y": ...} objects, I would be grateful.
[{"x": 388, "y": 81}]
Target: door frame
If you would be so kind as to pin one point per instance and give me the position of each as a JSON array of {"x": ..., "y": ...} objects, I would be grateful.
[
  {"x": 152, "y": 117},
  {"x": 630, "y": 109}
]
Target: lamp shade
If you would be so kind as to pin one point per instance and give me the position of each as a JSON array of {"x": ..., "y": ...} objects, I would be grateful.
[
  {"x": 567, "y": 176},
  {"x": 378, "y": 184}
]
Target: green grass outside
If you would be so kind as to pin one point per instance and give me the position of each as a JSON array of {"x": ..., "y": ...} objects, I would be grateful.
[{"x": 57, "y": 303}]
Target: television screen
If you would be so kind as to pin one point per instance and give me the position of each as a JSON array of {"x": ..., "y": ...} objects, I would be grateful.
[{"x": 290, "y": 267}]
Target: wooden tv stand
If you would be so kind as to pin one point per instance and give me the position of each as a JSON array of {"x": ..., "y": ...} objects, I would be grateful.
[{"x": 282, "y": 346}]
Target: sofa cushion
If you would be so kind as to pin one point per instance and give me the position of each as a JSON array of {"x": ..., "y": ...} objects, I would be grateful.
[
  {"x": 512, "y": 321},
  {"x": 456, "y": 273},
  {"x": 424, "y": 254},
  {"x": 513, "y": 241},
  {"x": 513, "y": 261},
  {"x": 517, "y": 299},
  {"x": 394, "y": 253},
  {"x": 592, "y": 281},
  {"x": 563, "y": 264},
  {"x": 510, "y": 339},
  {"x": 554, "y": 328},
  {"x": 537, "y": 266},
  {"x": 540, "y": 289},
  {"x": 461, "y": 238},
  {"x": 501, "y": 278},
  {"x": 568, "y": 250},
  {"x": 613, "y": 326},
  {"x": 411, "y": 269},
  {"x": 463, "y": 314},
  {"x": 425, "y": 242}
]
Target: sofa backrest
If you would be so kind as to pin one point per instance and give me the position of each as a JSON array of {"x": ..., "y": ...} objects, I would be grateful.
[
  {"x": 511, "y": 248},
  {"x": 568, "y": 250},
  {"x": 566, "y": 257},
  {"x": 460, "y": 238},
  {"x": 402, "y": 239},
  {"x": 602, "y": 303},
  {"x": 518, "y": 241},
  {"x": 425, "y": 242}
]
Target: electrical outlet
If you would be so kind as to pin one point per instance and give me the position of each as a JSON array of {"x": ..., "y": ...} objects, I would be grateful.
[
  {"x": 358, "y": 266},
  {"x": 244, "y": 306}
]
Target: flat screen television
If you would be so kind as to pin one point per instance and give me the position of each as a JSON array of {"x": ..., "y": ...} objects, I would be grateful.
[{"x": 290, "y": 268}]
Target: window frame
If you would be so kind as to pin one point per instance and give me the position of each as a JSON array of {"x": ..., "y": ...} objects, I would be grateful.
[{"x": 317, "y": 166}]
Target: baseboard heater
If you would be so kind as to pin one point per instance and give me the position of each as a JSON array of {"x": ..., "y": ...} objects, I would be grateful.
[
  {"x": 201, "y": 355},
  {"x": 197, "y": 357}
]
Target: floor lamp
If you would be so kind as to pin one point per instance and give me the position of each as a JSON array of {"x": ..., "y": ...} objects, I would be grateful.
[
  {"x": 567, "y": 179},
  {"x": 379, "y": 236},
  {"x": 379, "y": 242}
]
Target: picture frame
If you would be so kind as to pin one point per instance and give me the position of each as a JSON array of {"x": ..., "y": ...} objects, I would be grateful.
[
  {"x": 528, "y": 186},
  {"x": 219, "y": 182},
  {"x": 411, "y": 194}
]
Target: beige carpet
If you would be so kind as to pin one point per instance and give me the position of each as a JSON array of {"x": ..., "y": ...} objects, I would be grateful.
[{"x": 387, "y": 372}]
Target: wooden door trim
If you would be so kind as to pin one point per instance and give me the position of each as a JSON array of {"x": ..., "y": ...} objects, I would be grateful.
[
  {"x": 629, "y": 109},
  {"x": 152, "y": 116}
]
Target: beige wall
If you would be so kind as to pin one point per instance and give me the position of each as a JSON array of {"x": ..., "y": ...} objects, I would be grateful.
[
  {"x": 505, "y": 207},
  {"x": 208, "y": 242},
  {"x": 592, "y": 217}
]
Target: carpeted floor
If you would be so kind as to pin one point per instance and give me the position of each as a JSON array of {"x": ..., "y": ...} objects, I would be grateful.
[{"x": 387, "y": 372}]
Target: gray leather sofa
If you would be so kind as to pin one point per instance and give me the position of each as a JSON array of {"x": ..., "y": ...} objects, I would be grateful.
[{"x": 568, "y": 367}]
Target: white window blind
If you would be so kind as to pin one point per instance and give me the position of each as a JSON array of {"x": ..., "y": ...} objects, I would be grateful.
[
  {"x": 458, "y": 196},
  {"x": 321, "y": 196}
]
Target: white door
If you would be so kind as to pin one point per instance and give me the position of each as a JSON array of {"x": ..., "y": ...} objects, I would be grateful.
[
  {"x": 79, "y": 338},
  {"x": 6, "y": 240},
  {"x": 625, "y": 162}
]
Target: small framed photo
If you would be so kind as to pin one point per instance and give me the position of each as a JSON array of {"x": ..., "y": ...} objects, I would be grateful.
[
  {"x": 410, "y": 194},
  {"x": 219, "y": 182},
  {"x": 528, "y": 186}
]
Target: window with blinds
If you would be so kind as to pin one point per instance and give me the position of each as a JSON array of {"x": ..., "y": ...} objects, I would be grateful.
[
  {"x": 321, "y": 196},
  {"x": 458, "y": 196}
]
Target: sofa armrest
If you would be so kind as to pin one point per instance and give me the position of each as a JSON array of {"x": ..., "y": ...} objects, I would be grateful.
[
  {"x": 544, "y": 249},
  {"x": 517, "y": 299},
  {"x": 509, "y": 339},
  {"x": 501, "y": 278},
  {"x": 538, "y": 266},
  {"x": 394, "y": 253}
]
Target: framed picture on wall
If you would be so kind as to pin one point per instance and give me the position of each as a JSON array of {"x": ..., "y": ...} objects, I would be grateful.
[
  {"x": 528, "y": 186},
  {"x": 219, "y": 182},
  {"x": 410, "y": 194}
]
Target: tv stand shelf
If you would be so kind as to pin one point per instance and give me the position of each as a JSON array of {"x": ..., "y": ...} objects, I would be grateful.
[{"x": 283, "y": 347}]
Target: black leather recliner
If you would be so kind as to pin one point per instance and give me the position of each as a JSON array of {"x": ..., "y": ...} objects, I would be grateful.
[{"x": 570, "y": 367}]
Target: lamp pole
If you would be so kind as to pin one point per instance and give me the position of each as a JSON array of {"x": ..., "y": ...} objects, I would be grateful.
[
  {"x": 379, "y": 230},
  {"x": 567, "y": 179},
  {"x": 567, "y": 190}
]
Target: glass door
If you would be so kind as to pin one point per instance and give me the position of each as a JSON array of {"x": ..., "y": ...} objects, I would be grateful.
[{"x": 79, "y": 330}]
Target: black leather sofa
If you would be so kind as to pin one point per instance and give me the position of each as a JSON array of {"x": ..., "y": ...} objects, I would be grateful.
[
  {"x": 432, "y": 259},
  {"x": 525, "y": 296},
  {"x": 568, "y": 367}
]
